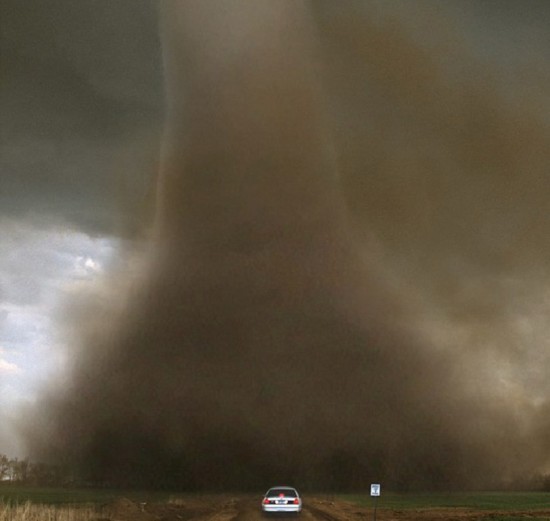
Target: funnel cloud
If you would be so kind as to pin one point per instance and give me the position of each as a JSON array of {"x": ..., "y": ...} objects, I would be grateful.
[{"x": 347, "y": 277}]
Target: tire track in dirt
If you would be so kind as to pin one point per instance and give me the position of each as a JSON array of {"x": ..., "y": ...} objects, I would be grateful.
[
  {"x": 226, "y": 510},
  {"x": 319, "y": 513}
]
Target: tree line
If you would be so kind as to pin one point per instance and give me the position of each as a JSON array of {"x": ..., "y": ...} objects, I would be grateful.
[
  {"x": 15, "y": 470},
  {"x": 23, "y": 471}
]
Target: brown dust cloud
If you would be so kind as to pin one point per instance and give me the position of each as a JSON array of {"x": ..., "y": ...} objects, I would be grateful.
[{"x": 347, "y": 280}]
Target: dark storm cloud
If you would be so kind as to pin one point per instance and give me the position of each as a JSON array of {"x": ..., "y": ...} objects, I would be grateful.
[
  {"x": 349, "y": 274},
  {"x": 80, "y": 102}
]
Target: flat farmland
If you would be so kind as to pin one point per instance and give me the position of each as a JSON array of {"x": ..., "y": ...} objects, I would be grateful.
[{"x": 34, "y": 504}]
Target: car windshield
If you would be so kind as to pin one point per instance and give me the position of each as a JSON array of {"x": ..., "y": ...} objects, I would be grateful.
[{"x": 287, "y": 492}]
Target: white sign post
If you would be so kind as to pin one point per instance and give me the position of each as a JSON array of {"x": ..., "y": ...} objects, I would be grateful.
[{"x": 375, "y": 493}]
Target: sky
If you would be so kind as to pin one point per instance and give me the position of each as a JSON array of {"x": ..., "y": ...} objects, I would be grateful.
[
  {"x": 80, "y": 102},
  {"x": 40, "y": 270},
  {"x": 454, "y": 215}
]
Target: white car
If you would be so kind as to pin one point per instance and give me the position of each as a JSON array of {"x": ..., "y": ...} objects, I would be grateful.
[{"x": 281, "y": 499}]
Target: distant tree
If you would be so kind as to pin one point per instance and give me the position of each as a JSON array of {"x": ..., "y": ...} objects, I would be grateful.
[
  {"x": 43, "y": 473},
  {"x": 12, "y": 469},
  {"x": 19, "y": 470},
  {"x": 24, "y": 470},
  {"x": 4, "y": 467},
  {"x": 40, "y": 474}
]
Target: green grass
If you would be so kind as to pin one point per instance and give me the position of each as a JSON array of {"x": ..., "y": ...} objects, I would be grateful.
[
  {"x": 517, "y": 501},
  {"x": 511, "y": 501},
  {"x": 514, "y": 518},
  {"x": 68, "y": 496}
]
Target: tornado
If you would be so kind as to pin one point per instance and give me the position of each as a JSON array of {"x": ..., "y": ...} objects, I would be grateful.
[{"x": 262, "y": 345}]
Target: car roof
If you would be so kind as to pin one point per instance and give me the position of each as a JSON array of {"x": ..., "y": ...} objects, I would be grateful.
[{"x": 283, "y": 487}]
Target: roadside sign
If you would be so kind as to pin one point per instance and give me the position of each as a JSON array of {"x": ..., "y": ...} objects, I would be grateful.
[{"x": 375, "y": 489}]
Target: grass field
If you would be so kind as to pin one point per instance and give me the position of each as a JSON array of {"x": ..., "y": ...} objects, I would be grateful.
[
  {"x": 18, "y": 494},
  {"x": 31, "y": 512},
  {"x": 477, "y": 500},
  {"x": 24, "y": 503}
]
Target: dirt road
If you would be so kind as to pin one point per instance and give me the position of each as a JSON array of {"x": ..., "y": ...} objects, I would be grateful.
[{"x": 247, "y": 508}]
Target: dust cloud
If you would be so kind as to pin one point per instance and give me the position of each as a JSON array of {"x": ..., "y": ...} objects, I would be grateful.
[{"x": 347, "y": 281}]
